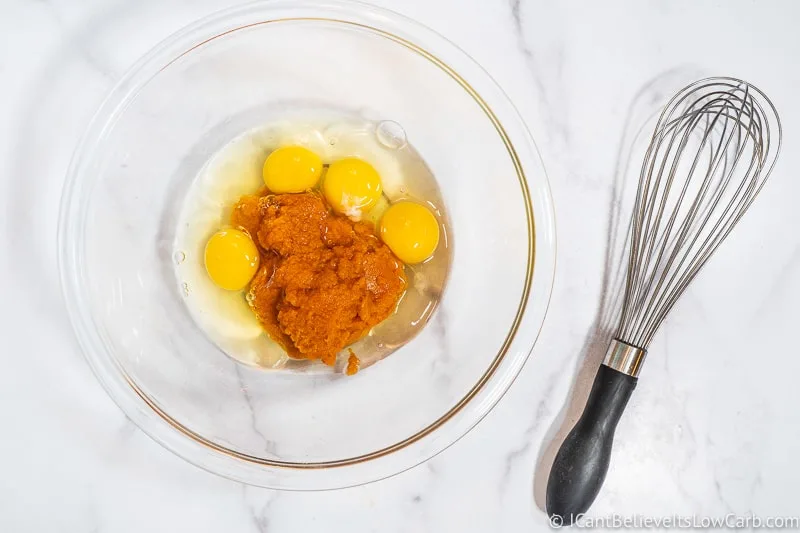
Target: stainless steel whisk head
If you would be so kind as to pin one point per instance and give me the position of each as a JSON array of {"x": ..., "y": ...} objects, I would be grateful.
[{"x": 712, "y": 150}]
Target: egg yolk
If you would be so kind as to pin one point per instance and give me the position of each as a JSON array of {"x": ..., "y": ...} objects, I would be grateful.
[
  {"x": 231, "y": 259},
  {"x": 351, "y": 186},
  {"x": 292, "y": 169},
  {"x": 411, "y": 231}
]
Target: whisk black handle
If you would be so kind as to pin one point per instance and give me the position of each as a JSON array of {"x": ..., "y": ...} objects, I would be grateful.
[{"x": 582, "y": 461}]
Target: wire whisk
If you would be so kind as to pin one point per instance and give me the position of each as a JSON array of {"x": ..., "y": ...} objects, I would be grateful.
[{"x": 713, "y": 148}]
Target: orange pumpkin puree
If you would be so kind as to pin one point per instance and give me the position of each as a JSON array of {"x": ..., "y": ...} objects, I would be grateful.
[
  {"x": 324, "y": 280},
  {"x": 352, "y": 363}
]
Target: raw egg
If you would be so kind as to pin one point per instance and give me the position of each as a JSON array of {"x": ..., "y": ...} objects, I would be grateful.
[
  {"x": 352, "y": 186},
  {"x": 292, "y": 169},
  {"x": 231, "y": 259},
  {"x": 411, "y": 231}
]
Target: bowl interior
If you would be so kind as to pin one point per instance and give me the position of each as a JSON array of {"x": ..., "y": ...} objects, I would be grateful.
[{"x": 176, "y": 119}]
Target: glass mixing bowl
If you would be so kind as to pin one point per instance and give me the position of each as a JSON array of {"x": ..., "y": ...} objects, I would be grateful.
[{"x": 206, "y": 85}]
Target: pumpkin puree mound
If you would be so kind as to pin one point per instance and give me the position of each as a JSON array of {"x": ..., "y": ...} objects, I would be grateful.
[{"x": 324, "y": 280}]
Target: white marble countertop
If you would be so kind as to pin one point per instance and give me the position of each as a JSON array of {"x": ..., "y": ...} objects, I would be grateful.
[{"x": 713, "y": 427}]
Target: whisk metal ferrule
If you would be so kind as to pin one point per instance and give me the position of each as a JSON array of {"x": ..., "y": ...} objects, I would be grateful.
[{"x": 624, "y": 357}]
